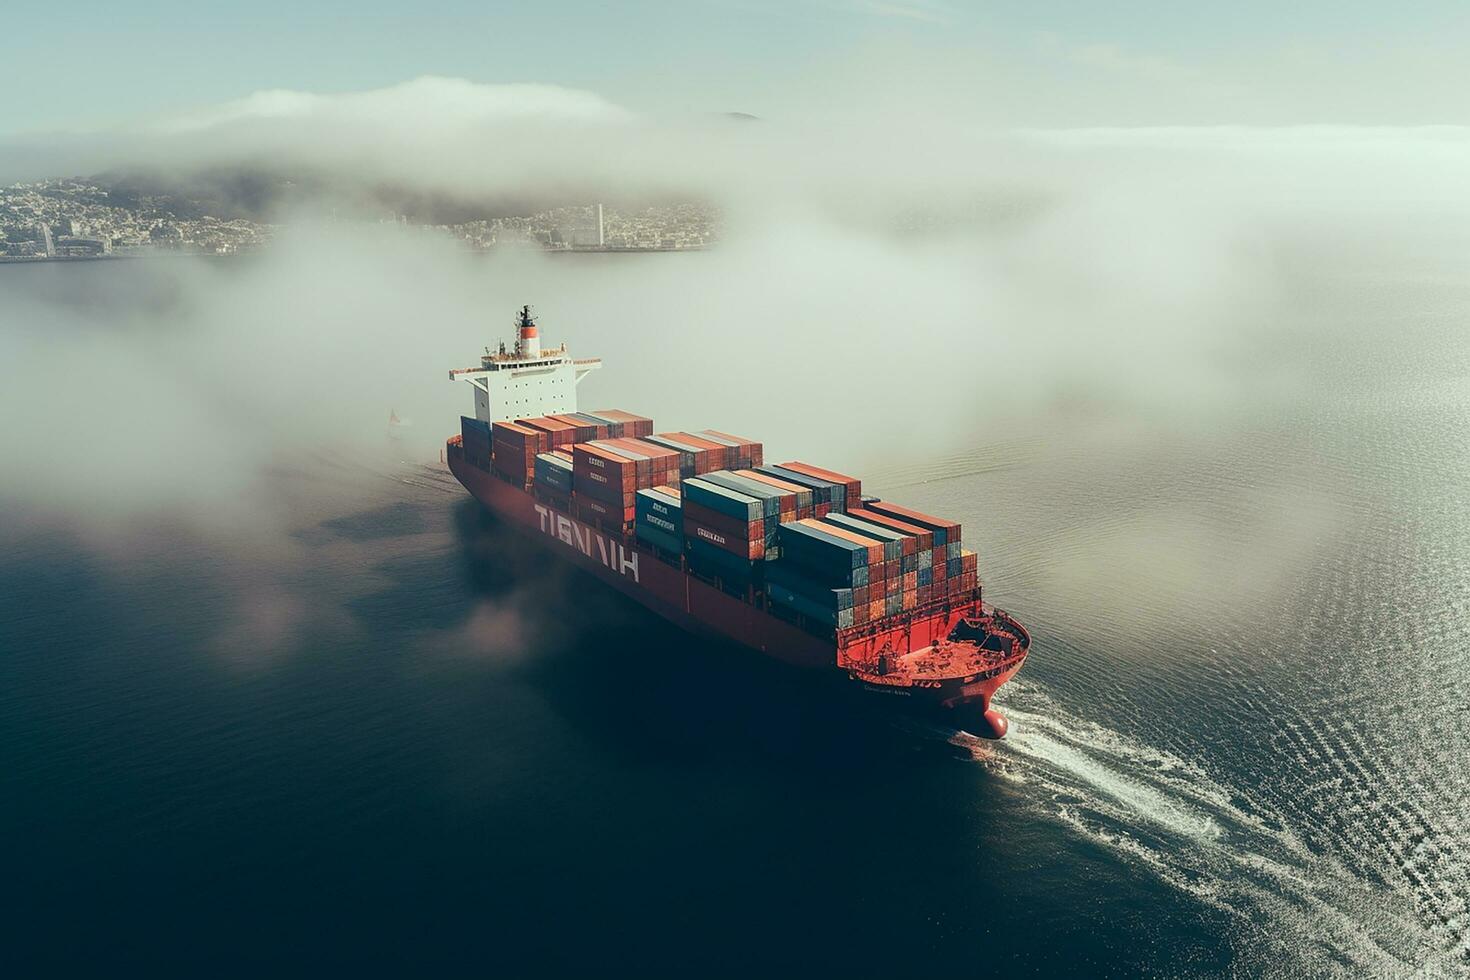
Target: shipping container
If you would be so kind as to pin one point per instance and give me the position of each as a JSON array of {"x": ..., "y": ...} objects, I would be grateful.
[
  {"x": 561, "y": 501},
  {"x": 794, "y": 578},
  {"x": 744, "y": 538},
  {"x": 892, "y": 540},
  {"x": 601, "y": 429},
  {"x": 607, "y": 513},
  {"x": 842, "y": 618},
  {"x": 769, "y": 496},
  {"x": 696, "y": 455},
  {"x": 873, "y": 545},
  {"x": 603, "y": 474},
  {"x": 804, "y": 496},
  {"x": 732, "y": 502},
  {"x": 559, "y": 433},
  {"x": 615, "y": 428},
  {"x": 636, "y": 426},
  {"x": 585, "y": 431},
  {"x": 715, "y": 562},
  {"x": 944, "y": 531},
  {"x": 514, "y": 449},
  {"x": 515, "y": 434},
  {"x": 826, "y": 494},
  {"x": 662, "y": 508},
  {"x": 554, "y": 472},
  {"x": 923, "y": 537},
  {"x": 747, "y": 452},
  {"x": 655, "y": 465},
  {"x": 852, "y": 486},
  {"x": 475, "y": 440},
  {"x": 823, "y": 555},
  {"x": 650, "y": 535}
]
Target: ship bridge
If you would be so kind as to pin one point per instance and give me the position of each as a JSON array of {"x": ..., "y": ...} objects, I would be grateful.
[{"x": 523, "y": 380}]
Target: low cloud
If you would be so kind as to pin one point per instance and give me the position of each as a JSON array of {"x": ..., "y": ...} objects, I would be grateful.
[{"x": 1015, "y": 271}]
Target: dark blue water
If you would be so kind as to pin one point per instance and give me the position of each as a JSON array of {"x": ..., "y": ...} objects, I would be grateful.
[{"x": 377, "y": 732}]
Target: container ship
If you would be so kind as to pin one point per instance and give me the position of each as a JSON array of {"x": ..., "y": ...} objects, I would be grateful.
[{"x": 789, "y": 560}]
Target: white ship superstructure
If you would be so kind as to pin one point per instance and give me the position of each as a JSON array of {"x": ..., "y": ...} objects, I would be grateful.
[{"x": 525, "y": 381}]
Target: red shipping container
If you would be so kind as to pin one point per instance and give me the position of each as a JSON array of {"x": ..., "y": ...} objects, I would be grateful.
[
  {"x": 853, "y": 485},
  {"x": 747, "y": 452},
  {"x": 633, "y": 425},
  {"x": 559, "y": 433},
  {"x": 591, "y": 508},
  {"x": 586, "y": 431},
  {"x": 602, "y": 474},
  {"x": 515, "y": 434},
  {"x": 711, "y": 456}
]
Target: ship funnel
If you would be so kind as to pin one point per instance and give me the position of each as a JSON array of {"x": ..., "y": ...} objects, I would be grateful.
[{"x": 528, "y": 339}]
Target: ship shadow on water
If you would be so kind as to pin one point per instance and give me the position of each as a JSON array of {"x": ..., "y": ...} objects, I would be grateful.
[{"x": 651, "y": 691}]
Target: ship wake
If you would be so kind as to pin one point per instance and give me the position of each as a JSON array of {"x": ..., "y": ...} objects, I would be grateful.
[{"x": 1222, "y": 844}]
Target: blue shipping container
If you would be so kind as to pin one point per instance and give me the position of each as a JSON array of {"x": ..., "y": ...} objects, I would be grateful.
[{"x": 732, "y": 503}]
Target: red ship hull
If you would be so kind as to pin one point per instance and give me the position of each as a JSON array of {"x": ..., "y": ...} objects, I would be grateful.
[{"x": 914, "y": 659}]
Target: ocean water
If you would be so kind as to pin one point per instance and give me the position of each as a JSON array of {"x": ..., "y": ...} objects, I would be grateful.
[{"x": 391, "y": 736}]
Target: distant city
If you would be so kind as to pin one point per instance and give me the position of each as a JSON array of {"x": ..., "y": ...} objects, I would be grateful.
[{"x": 77, "y": 218}]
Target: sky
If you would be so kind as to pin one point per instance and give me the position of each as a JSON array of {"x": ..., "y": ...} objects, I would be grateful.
[{"x": 1052, "y": 63}]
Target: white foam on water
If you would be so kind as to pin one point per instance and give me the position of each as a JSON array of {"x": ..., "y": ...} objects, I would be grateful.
[{"x": 1219, "y": 844}]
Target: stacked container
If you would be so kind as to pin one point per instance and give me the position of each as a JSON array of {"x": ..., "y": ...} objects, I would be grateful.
[
  {"x": 725, "y": 528},
  {"x": 801, "y": 497},
  {"x": 554, "y": 476},
  {"x": 918, "y": 551},
  {"x": 475, "y": 438},
  {"x": 623, "y": 424},
  {"x": 825, "y": 573},
  {"x": 515, "y": 447},
  {"x": 777, "y": 506},
  {"x": 788, "y": 585},
  {"x": 658, "y": 518},
  {"x": 697, "y": 455},
  {"x": 746, "y": 452},
  {"x": 607, "y": 473},
  {"x": 583, "y": 430},
  {"x": 827, "y": 495},
  {"x": 559, "y": 433},
  {"x": 852, "y": 486},
  {"x": 951, "y": 572},
  {"x": 600, "y": 428}
]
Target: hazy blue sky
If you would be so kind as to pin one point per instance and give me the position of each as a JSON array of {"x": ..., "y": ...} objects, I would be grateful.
[{"x": 93, "y": 63}]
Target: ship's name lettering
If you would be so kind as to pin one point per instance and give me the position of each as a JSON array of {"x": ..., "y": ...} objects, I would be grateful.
[{"x": 589, "y": 542}]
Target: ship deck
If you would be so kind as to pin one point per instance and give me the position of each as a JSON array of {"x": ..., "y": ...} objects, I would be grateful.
[{"x": 978, "y": 647}]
